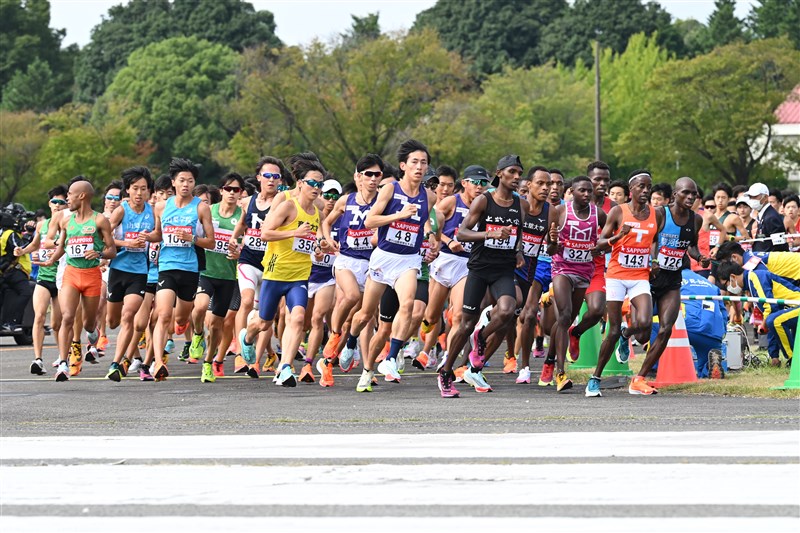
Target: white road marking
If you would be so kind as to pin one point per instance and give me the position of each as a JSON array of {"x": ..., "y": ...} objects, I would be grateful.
[
  {"x": 377, "y": 446},
  {"x": 419, "y": 484},
  {"x": 304, "y": 524}
]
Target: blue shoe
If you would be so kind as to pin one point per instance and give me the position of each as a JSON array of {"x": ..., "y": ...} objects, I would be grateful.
[
  {"x": 347, "y": 359},
  {"x": 248, "y": 350},
  {"x": 593, "y": 388},
  {"x": 286, "y": 377},
  {"x": 170, "y": 346},
  {"x": 623, "y": 351}
]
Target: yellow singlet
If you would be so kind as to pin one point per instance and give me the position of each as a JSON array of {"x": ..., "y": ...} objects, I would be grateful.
[{"x": 290, "y": 259}]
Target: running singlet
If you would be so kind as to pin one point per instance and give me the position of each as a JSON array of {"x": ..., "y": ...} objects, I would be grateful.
[
  {"x": 43, "y": 254},
  {"x": 534, "y": 229},
  {"x": 354, "y": 238},
  {"x": 290, "y": 259},
  {"x": 576, "y": 239},
  {"x": 673, "y": 241},
  {"x": 82, "y": 237},
  {"x": 600, "y": 260},
  {"x": 218, "y": 266},
  {"x": 133, "y": 260},
  {"x": 404, "y": 237},
  {"x": 630, "y": 256},
  {"x": 715, "y": 236},
  {"x": 322, "y": 269},
  {"x": 253, "y": 246},
  {"x": 498, "y": 255},
  {"x": 451, "y": 225},
  {"x": 177, "y": 254}
]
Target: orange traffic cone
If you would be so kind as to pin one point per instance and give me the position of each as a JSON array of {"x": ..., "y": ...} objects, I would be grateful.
[{"x": 676, "y": 365}]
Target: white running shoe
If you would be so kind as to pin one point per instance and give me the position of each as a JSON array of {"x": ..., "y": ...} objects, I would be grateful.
[
  {"x": 400, "y": 362},
  {"x": 524, "y": 375},
  {"x": 388, "y": 368},
  {"x": 135, "y": 366},
  {"x": 412, "y": 349},
  {"x": 476, "y": 380},
  {"x": 365, "y": 381}
]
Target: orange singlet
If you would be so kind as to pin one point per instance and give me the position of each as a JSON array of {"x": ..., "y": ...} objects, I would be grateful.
[{"x": 630, "y": 256}]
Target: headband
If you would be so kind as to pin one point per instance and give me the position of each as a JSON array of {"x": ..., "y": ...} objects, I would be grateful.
[{"x": 640, "y": 175}]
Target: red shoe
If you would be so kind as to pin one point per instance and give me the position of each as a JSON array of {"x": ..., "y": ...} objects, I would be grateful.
[
  {"x": 218, "y": 369},
  {"x": 546, "y": 377},
  {"x": 180, "y": 330},
  {"x": 574, "y": 345}
]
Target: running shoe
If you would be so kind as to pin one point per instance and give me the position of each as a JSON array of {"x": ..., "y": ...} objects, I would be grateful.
[
  {"x": 593, "y": 388},
  {"x": 524, "y": 376},
  {"x": 307, "y": 374},
  {"x": 37, "y": 368},
  {"x": 538, "y": 352},
  {"x": 356, "y": 356},
  {"x": 546, "y": 377},
  {"x": 124, "y": 365},
  {"x": 142, "y": 341},
  {"x": 574, "y": 345},
  {"x": 269, "y": 364},
  {"x": 445, "y": 381},
  {"x": 325, "y": 370},
  {"x": 207, "y": 375},
  {"x": 102, "y": 343},
  {"x": 388, "y": 368},
  {"x": 218, "y": 369},
  {"x": 509, "y": 364},
  {"x": 248, "y": 350},
  {"x": 181, "y": 329},
  {"x": 252, "y": 372},
  {"x": 384, "y": 353},
  {"x": 93, "y": 337},
  {"x": 476, "y": 355},
  {"x": 346, "y": 359},
  {"x": 365, "y": 381},
  {"x": 400, "y": 361},
  {"x": 161, "y": 373},
  {"x": 563, "y": 382},
  {"x": 197, "y": 348},
  {"x": 170, "y": 346},
  {"x": 91, "y": 355},
  {"x": 459, "y": 373},
  {"x": 286, "y": 377},
  {"x": 56, "y": 362},
  {"x": 62, "y": 374},
  {"x": 715, "y": 369},
  {"x": 239, "y": 365},
  {"x": 75, "y": 361},
  {"x": 136, "y": 364},
  {"x": 421, "y": 361},
  {"x": 412, "y": 348},
  {"x": 144, "y": 373},
  {"x": 331, "y": 346},
  {"x": 433, "y": 359},
  {"x": 477, "y": 381},
  {"x": 639, "y": 386},
  {"x": 184, "y": 356},
  {"x": 114, "y": 373},
  {"x": 623, "y": 351}
]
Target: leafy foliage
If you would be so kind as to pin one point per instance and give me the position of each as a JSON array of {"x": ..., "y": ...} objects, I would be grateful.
[{"x": 21, "y": 137}]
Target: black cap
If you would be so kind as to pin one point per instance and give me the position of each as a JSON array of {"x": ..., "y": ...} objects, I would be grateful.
[
  {"x": 476, "y": 172},
  {"x": 506, "y": 161},
  {"x": 430, "y": 176}
]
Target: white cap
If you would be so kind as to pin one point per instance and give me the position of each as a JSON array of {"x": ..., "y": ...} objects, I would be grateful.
[
  {"x": 332, "y": 185},
  {"x": 757, "y": 189}
]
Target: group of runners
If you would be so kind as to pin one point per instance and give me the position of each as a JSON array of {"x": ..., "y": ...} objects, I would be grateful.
[{"x": 403, "y": 263}]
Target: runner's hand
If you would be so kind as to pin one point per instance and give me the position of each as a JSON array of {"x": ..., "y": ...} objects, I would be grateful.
[
  {"x": 303, "y": 230},
  {"x": 553, "y": 232},
  {"x": 409, "y": 210}
]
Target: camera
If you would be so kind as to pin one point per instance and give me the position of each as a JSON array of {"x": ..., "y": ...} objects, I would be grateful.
[{"x": 15, "y": 216}]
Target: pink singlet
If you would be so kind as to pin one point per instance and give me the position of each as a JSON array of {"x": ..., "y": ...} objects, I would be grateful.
[{"x": 576, "y": 238}]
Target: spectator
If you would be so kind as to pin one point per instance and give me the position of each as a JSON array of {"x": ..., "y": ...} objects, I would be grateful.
[{"x": 770, "y": 222}]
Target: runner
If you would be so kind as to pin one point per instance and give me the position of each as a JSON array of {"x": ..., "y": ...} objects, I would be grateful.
[
  {"x": 85, "y": 237},
  {"x": 111, "y": 201},
  {"x": 291, "y": 231},
  {"x": 45, "y": 291},
  {"x": 400, "y": 214},
  {"x": 494, "y": 226},
  {"x": 182, "y": 221},
  {"x": 631, "y": 231},
  {"x": 130, "y": 222}
]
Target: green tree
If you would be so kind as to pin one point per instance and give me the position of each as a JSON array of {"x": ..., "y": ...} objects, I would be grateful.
[
  {"x": 776, "y": 18},
  {"x": 363, "y": 29},
  {"x": 232, "y": 23},
  {"x": 694, "y": 35},
  {"x": 341, "y": 102},
  {"x": 21, "y": 138},
  {"x": 35, "y": 89},
  {"x": 493, "y": 34},
  {"x": 712, "y": 116},
  {"x": 723, "y": 26},
  {"x": 172, "y": 92}
]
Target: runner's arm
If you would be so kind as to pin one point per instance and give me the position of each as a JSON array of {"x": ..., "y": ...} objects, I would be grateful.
[
  {"x": 155, "y": 235},
  {"x": 104, "y": 227},
  {"x": 476, "y": 210},
  {"x": 204, "y": 214}
]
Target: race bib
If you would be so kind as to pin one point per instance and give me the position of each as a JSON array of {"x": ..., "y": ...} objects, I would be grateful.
[
  {"x": 325, "y": 262},
  {"x": 78, "y": 246},
  {"x": 152, "y": 253},
  {"x": 42, "y": 255},
  {"x": 670, "y": 258},
  {"x": 713, "y": 237},
  {"x": 171, "y": 236},
  {"x": 359, "y": 239},
  {"x": 132, "y": 236},
  {"x": 221, "y": 239},
  {"x": 252, "y": 240},
  {"x": 424, "y": 248},
  {"x": 633, "y": 257},
  {"x": 531, "y": 244},
  {"x": 577, "y": 251},
  {"x": 500, "y": 244},
  {"x": 403, "y": 233},
  {"x": 305, "y": 244}
]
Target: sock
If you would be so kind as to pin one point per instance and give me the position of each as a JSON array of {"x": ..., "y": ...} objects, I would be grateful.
[
  {"x": 38, "y": 358},
  {"x": 394, "y": 348},
  {"x": 309, "y": 360},
  {"x": 623, "y": 332},
  {"x": 284, "y": 366},
  {"x": 595, "y": 377},
  {"x": 549, "y": 360},
  {"x": 352, "y": 341},
  {"x": 540, "y": 343}
]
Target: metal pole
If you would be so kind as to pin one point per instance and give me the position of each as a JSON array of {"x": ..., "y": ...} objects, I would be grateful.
[
  {"x": 771, "y": 301},
  {"x": 597, "y": 99}
]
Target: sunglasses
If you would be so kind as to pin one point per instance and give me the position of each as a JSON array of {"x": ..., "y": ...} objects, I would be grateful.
[
  {"x": 282, "y": 188},
  {"x": 432, "y": 186},
  {"x": 112, "y": 197},
  {"x": 271, "y": 176},
  {"x": 230, "y": 188},
  {"x": 58, "y": 201},
  {"x": 314, "y": 183},
  {"x": 372, "y": 173},
  {"x": 477, "y": 181},
  {"x": 712, "y": 206},
  {"x": 330, "y": 195}
]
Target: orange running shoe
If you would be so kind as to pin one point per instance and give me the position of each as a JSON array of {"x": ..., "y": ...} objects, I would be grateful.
[
  {"x": 142, "y": 341},
  {"x": 161, "y": 372},
  {"x": 325, "y": 370},
  {"x": 420, "y": 361},
  {"x": 448, "y": 315},
  {"x": 181, "y": 329},
  {"x": 307, "y": 375},
  {"x": 239, "y": 365},
  {"x": 443, "y": 341},
  {"x": 383, "y": 353},
  {"x": 102, "y": 343},
  {"x": 459, "y": 372},
  {"x": 639, "y": 386},
  {"x": 509, "y": 364},
  {"x": 332, "y": 346}
]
